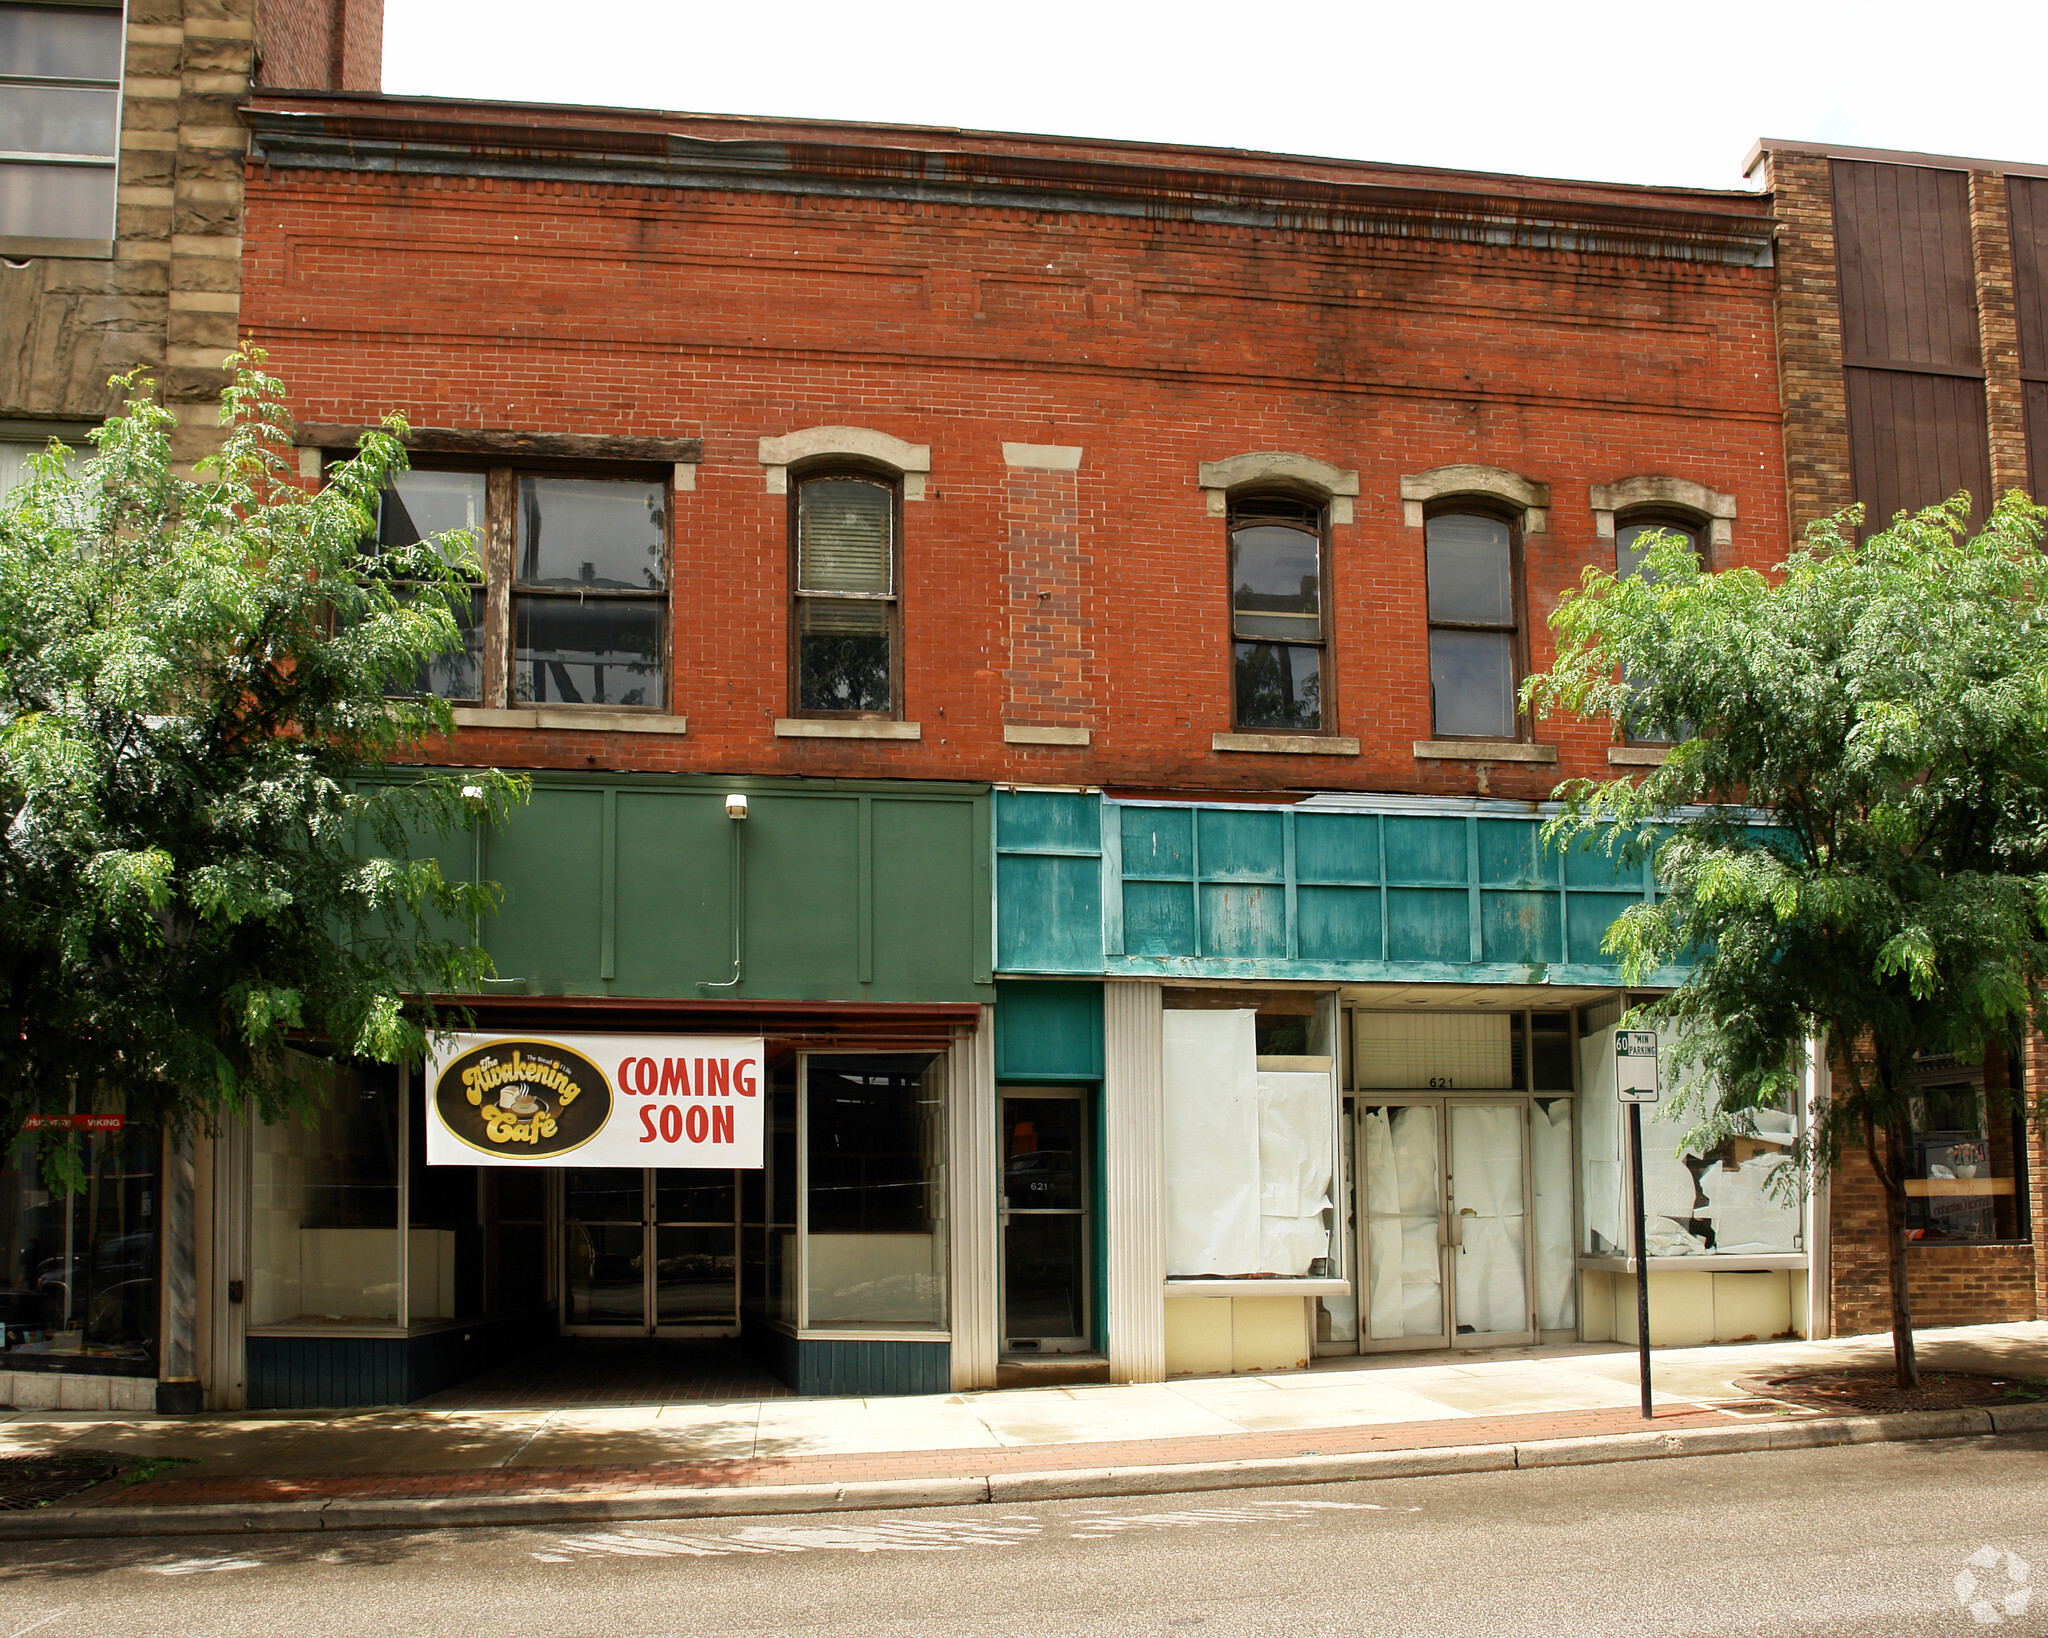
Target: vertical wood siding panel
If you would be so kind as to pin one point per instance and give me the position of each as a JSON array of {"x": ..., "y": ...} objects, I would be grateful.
[
  {"x": 974, "y": 1248},
  {"x": 1134, "y": 1169}
]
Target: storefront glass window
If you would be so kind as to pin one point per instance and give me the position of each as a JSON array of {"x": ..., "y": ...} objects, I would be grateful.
[
  {"x": 324, "y": 1208},
  {"x": 1966, "y": 1177},
  {"x": 79, "y": 1280},
  {"x": 874, "y": 1155},
  {"x": 779, "y": 1272},
  {"x": 1720, "y": 1202},
  {"x": 444, "y": 1269}
]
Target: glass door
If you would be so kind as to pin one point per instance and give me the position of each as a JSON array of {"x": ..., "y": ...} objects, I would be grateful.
[
  {"x": 604, "y": 1249},
  {"x": 696, "y": 1253},
  {"x": 1489, "y": 1222},
  {"x": 1404, "y": 1247},
  {"x": 1047, "y": 1248},
  {"x": 652, "y": 1252}
]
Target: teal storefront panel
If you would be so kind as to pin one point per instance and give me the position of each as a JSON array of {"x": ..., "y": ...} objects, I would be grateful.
[
  {"x": 1467, "y": 893},
  {"x": 1048, "y": 1032},
  {"x": 635, "y": 885}
]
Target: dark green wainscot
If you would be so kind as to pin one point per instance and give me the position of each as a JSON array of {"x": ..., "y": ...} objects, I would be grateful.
[
  {"x": 828, "y": 890},
  {"x": 1350, "y": 892},
  {"x": 337, "y": 1372},
  {"x": 850, "y": 1368}
]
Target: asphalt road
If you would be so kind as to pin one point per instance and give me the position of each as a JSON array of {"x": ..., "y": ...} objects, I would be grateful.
[{"x": 1844, "y": 1542}]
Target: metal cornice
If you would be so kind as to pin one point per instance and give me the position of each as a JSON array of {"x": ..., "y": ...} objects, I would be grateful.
[{"x": 395, "y": 144}]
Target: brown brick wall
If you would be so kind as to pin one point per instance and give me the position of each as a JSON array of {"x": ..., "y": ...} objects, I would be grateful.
[
  {"x": 1809, "y": 325},
  {"x": 1947, "y": 1284},
  {"x": 1049, "y": 679},
  {"x": 1154, "y": 344},
  {"x": 1997, "y": 324},
  {"x": 314, "y": 45}
]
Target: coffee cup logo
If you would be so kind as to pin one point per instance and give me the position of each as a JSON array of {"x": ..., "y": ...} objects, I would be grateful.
[{"x": 530, "y": 1098}]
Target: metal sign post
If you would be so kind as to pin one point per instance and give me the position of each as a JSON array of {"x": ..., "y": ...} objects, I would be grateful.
[{"x": 1635, "y": 1083}]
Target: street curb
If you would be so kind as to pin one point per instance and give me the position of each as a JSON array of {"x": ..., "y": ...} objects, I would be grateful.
[{"x": 654, "y": 1503}]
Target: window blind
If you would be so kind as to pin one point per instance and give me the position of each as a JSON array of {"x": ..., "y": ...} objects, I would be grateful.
[{"x": 843, "y": 530}]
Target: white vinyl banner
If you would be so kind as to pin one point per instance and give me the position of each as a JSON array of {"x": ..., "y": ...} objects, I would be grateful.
[{"x": 607, "y": 1100}]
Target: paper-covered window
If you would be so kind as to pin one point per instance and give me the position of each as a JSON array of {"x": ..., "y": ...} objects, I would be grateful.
[
  {"x": 1720, "y": 1202},
  {"x": 1249, "y": 1152}
]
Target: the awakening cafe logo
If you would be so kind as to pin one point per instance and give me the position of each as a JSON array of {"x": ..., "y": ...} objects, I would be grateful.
[{"x": 535, "y": 1097}]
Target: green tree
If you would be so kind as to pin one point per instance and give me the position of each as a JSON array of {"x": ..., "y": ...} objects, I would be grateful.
[
  {"x": 204, "y": 852},
  {"x": 1851, "y": 829}
]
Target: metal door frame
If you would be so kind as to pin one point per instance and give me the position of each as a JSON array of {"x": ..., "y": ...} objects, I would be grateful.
[
  {"x": 1448, "y": 1238},
  {"x": 648, "y": 1325},
  {"x": 1066, "y": 1346},
  {"x": 1433, "y": 1101},
  {"x": 1521, "y": 1101}
]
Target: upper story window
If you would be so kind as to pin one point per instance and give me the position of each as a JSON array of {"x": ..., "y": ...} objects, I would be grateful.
[
  {"x": 579, "y": 606},
  {"x": 1631, "y": 553},
  {"x": 60, "y": 122},
  {"x": 1474, "y": 625},
  {"x": 1279, "y": 624},
  {"x": 846, "y": 618},
  {"x": 590, "y": 593},
  {"x": 425, "y": 506}
]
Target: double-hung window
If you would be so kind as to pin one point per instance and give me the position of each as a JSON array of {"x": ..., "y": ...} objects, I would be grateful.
[
  {"x": 590, "y": 591},
  {"x": 60, "y": 126},
  {"x": 1474, "y": 625},
  {"x": 421, "y": 506},
  {"x": 1279, "y": 627},
  {"x": 846, "y": 619},
  {"x": 1631, "y": 561}
]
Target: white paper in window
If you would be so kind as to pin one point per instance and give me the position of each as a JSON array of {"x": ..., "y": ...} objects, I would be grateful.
[
  {"x": 1403, "y": 1183},
  {"x": 1602, "y": 1147},
  {"x": 1486, "y": 1193},
  {"x": 1212, "y": 1142},
  {"x": 1551, "y": 1159},
  {"x": 1294, "y": 1170}
]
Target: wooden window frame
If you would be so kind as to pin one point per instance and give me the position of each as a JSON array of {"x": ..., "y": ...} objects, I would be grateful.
[
  {"x": 865, "y": 472},
  {"x": 497, "y": 546},
  {"x": 1663, "y": 516},
  {"x": 1518, "y": 634},
  {"x": 1242, "y": 511}
]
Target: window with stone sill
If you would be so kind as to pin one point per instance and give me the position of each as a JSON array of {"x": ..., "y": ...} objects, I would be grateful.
[
  {"x": 1632, "y": 537},
  {"x": 584, "y": 598},
  {"x": 846, "y": 606},
  {"x": 60, "y": 120},
  {"x": 1473, "y": 568},
  {"x": 1279, "y": 617}
]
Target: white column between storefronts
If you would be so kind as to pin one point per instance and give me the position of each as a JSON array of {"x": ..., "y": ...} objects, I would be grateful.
[
  {"x": 974, "y": 1271},
  {"x": 1134, "y": 1170}
]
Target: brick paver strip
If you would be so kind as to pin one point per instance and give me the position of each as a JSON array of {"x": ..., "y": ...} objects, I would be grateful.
[{"x": 918, "y": 1464}]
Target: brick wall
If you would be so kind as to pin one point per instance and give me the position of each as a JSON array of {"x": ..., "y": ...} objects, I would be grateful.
[
  {"x": 1998, "y": 326},
  {"x": 1809, "y": 329},
  {"x": 335, "y": 45},
  {"x": 1153, "y": 344},
  {"x": 1947, "y": 1284},
  {"x": 1047, "y": 591}
]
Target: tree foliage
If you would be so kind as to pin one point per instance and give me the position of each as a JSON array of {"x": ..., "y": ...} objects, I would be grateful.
[
  {"x": 1861, "y": 772},
  {"x": 203, "y": 851}
]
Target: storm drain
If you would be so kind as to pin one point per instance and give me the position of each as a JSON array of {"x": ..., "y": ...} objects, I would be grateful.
[{"x": 37, "y": 1481}]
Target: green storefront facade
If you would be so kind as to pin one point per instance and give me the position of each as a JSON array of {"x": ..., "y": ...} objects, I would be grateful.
[{"x": 846, "y": 924}]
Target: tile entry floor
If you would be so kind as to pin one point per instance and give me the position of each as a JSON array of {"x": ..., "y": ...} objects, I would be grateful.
[{"x": 594, "y": 1371}]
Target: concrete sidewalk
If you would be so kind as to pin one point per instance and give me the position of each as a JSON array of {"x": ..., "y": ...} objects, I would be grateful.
[{"x": 1294, "y": 1423}]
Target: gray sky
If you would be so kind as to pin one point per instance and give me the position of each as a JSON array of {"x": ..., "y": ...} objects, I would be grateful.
[{"x": 1580, "y": 88}]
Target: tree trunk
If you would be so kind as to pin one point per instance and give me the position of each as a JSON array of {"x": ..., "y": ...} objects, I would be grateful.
[
  {"x": 1907, "y": 1367},
  {"x": 1890, "y": 1167}
]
